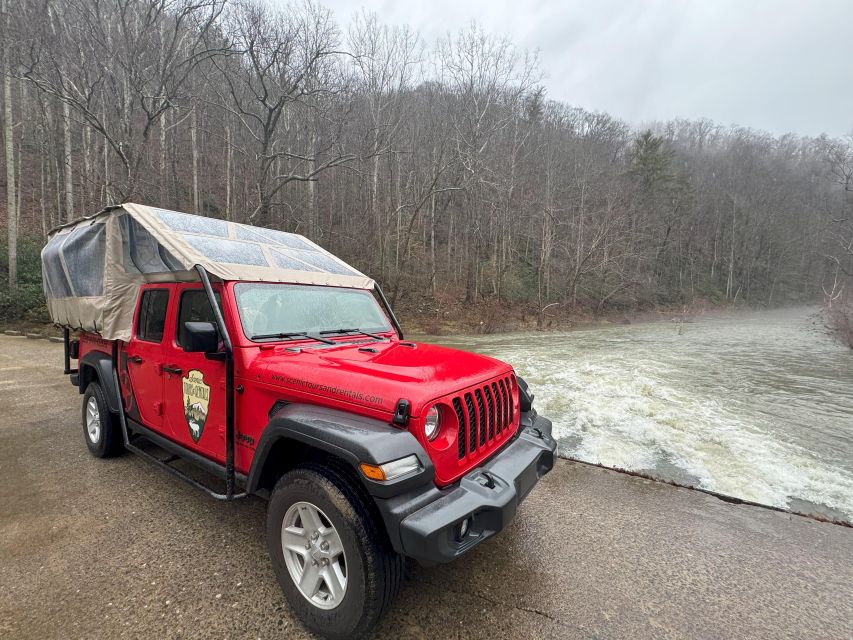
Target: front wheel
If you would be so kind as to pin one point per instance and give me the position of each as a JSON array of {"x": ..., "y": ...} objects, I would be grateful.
[{"x": 332, "y": 561}]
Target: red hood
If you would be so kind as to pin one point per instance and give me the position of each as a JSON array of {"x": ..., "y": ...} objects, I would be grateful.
[{"x": 419, "y": 373}]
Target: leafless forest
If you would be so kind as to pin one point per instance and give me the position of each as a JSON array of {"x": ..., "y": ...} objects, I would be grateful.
[{"x": 440, "y": 168}]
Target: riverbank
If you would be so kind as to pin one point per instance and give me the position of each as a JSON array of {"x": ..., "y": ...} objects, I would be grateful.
[
  {"x": 839, "y": 322},
  {"x": 450, "y": 316},
  {"x": 120, "y": 549},
  {"x": 481, "y": 319}
]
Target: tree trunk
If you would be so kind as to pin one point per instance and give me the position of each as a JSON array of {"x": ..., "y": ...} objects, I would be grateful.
[
  {"x": 19, "y": 191},
  {"x": 8, "y": 133},
  {"x": 194, "y": 139},
  {"x": 432, "y": 244},
  {"x": 87, "y": 181},
  {"x": 730, "y": 280},
  {"x": 107, "y": 196},
  {"x": 228, "y": 172},
  {"x": 374, "y": 207},
  {"x": 162, "y": 160},
  {"x": 66, "y": 161},
  {"x": 42, "y": 195},
  {"x": 312, "y": 189}
]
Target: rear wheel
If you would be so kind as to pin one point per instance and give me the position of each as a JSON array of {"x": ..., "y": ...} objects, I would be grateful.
[
  {"x": 100, "y": 427},
  {"x": 332, "y": 560}
]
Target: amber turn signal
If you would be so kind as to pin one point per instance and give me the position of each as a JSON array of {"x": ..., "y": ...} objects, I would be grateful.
[
  {"x": 391, "y": 470},
  {"x": 372, "y": 471}
]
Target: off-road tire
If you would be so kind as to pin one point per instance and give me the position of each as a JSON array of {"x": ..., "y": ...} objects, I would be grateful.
[
  {"x": 375, "y": 571},
  {"x": 109, "y": 440}
]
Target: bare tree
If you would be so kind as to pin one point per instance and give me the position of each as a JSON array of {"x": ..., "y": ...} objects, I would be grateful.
[
  {"x": 385, "y": 61},
  {"x": 137, "y": 56},
  {"x": 8, "y": 134},
  {"x": 281, "y": 54},
  {"x": 487, "y": 79}
]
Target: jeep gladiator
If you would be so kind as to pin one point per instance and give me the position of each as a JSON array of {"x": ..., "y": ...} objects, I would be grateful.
[{"x": 369, "y": 448}]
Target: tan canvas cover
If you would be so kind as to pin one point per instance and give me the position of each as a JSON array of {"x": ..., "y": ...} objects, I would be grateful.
[{"x": 93, "y": 268}]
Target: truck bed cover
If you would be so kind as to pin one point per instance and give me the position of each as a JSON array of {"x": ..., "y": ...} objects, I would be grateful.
[{"x": 92, "y": 268}]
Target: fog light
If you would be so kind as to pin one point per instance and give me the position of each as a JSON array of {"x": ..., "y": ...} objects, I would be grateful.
[{"x": 462, "y": 529}]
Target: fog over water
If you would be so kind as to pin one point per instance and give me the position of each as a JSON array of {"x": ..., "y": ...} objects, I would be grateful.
[{"x": 753, "y": 405}]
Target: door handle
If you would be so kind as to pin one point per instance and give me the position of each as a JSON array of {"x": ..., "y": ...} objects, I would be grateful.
[
  {"x": 170, "y": 369},
  {"x": 136, "y": 359}
]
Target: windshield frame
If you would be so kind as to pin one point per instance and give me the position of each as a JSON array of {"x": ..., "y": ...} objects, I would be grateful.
[{"x": 388, "y": 326}]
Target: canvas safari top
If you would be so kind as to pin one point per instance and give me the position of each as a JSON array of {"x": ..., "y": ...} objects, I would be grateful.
[{"x": 92, "y": 268}]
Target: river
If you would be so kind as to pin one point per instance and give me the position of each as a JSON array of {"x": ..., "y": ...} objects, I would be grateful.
[{"x": 755, "y": 405}]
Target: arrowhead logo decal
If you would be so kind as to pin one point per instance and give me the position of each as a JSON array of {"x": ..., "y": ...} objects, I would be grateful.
[{"x": 196, "y": 402}]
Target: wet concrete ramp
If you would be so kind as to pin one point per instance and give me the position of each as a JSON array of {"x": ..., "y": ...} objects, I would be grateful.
[{"x": 109, "y": 549}]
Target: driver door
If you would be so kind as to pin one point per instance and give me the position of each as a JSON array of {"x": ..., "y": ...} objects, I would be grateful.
[{"x": 194, "y": 384}]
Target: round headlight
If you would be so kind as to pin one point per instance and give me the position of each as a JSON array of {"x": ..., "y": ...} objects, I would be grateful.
[{"x": 431, "y": 422}]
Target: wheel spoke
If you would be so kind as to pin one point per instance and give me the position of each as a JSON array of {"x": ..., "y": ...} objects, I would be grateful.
[
  {"x": 293, "y": 539},
  {"x": 310, "y": 580},
  {"x": 335, "y": 581},
  {"x": 311, "y": 518}
]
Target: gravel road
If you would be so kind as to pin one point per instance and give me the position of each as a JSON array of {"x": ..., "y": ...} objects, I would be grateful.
[{"x": 118, "y": 548}]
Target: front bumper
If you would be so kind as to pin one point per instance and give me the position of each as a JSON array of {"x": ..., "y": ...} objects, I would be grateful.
[{"x": 487, "y": 497}]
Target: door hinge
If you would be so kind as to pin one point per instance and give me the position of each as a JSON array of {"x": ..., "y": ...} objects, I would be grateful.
[{"x": 158, "y": 407}]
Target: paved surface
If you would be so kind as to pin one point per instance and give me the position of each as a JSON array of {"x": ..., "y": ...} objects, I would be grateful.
[{"x": 107, "y": 549}]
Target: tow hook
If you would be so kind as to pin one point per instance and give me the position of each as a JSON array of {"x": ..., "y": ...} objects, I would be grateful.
[
  {"x": 486, "y": 480},
  {"x": 538, "y": 433}
]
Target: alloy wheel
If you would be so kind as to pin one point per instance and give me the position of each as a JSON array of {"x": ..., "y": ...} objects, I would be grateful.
[
  {"x": 314, "y": 555},
  {"x": 93, "y": 420}
]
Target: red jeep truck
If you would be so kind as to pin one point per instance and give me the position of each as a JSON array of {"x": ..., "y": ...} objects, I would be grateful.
[{"x": 291, "y": 380}]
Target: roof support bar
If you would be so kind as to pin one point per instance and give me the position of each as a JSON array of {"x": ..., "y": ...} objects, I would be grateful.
[
  {"x": 229, "y": 383},
  {"x": 388, "y": 308}
]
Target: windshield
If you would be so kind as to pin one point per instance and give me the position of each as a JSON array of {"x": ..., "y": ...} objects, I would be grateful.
[{"x": 267, "y": 310}]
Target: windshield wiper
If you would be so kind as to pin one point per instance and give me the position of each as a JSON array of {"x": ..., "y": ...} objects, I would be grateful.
[
  {"x": 353, "y": 330},
  {"x": 291, "y": 335}
]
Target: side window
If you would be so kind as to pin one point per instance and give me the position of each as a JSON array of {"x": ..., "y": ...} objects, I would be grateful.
[
  {"x": 152, "y": 315},
  {"x": 195, "y": 308}
]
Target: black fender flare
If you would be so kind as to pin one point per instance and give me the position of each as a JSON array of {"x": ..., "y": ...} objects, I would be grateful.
[
  {"x": 350, "y": 438},
  {"x": 102, "y": 367},
  {"x": 525, "y": 396}
]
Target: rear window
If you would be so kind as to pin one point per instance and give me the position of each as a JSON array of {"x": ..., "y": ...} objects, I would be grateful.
[
  {"x": 56, "y": 283},
  {"x": 141, "y": 253},
  {"x": 152, "y": 315},
  {"x": 84, "y": 255}
]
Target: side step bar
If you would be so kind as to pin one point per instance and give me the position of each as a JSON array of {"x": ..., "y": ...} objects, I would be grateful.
[{"x": 177, "y": 452}]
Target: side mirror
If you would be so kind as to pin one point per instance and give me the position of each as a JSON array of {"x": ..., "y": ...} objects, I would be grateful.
[{"x": 199, "y": 337}]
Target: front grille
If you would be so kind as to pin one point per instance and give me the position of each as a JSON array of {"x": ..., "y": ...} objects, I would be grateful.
[
  {"x": 484, "y": 414},
  {"x": 472, "y": 423},
  {"x": 460, "y": 418}
]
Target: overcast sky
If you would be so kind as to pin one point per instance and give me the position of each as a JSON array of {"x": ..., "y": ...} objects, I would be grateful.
[{"x": 777, "y": 65}]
